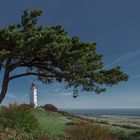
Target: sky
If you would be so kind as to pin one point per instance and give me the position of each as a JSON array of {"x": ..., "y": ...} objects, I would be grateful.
[{"x": 113, "y": 24}]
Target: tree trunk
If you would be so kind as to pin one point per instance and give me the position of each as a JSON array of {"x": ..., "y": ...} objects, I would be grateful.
[
  {"x": 4, "y": 86},
  {"x": 5, "y": 80}
]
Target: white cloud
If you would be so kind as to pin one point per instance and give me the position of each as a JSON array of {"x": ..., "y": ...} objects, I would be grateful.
[
  {"x": 26, "y": 96},
  {"x": 65, "y": 93},
  {"x": 57, "y": 90},
  {"x": 126, "y": 56},
  {"x": 10, "y": 95},
  {"x": 135, "y": 77},
  {"x": 68, "y": 94}
]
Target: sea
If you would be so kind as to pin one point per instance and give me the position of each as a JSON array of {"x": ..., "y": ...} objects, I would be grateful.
[{"x": 95, "y": 112}]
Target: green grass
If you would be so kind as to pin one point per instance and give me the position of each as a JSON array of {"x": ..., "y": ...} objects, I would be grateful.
[
  {"x": 127, "y": 127},
  {"x": 119, "y": 130},
  {"x": 54, "y": 123}
]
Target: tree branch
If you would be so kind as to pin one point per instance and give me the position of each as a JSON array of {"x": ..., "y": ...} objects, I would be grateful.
[
  {"x": 31, "y": 65},
  {"x": 31, "y": 73}
]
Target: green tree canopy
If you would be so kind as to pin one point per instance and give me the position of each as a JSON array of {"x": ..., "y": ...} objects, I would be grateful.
[{"x": 52, "y": 55}]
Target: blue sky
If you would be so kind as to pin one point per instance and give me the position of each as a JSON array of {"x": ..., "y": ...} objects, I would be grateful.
[{"x": 113, "y": 24}]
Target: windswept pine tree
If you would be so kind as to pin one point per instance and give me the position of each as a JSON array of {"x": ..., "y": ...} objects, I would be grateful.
[{"x": 50, "y": 54}]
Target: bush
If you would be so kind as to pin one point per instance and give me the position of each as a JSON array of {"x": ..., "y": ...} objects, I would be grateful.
[
  {"x": 50, "y": 107},
  {"x": 85, "y": 131},
  {"x": 10, "y": 134},
  {"x": 18, "y": 117}
]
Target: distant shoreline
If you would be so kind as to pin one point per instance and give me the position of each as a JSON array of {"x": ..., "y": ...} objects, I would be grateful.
[{"x": 98, "y": 112}]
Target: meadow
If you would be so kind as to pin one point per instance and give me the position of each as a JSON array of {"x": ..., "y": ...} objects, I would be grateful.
[
  {"x": 126, "y": 127},
  {"x": 21, "y": 122}
]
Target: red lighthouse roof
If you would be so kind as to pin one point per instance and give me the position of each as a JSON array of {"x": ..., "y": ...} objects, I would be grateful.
[{"x": 33, "y": 84}]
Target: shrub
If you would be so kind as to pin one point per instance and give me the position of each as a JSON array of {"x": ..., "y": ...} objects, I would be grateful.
[
  {"x": 18, "y": 117},
  {"x": 86, "y": 131},
  {"x": 50, "y": 107},
  {"x": 10, "y": 134}
]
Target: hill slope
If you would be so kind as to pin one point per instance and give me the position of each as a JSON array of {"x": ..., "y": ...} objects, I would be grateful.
[{"x": 53, "y": 122}]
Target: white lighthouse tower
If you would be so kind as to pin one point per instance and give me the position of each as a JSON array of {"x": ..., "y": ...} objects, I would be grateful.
[{"x": 33, "y": 96}]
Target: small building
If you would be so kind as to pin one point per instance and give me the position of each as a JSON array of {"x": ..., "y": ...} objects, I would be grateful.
[{"x": 33, "y": 95}]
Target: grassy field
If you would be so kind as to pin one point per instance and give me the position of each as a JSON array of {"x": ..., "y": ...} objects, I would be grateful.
[
  {"x": 125, "y": 126},
  {"x": 16, "y": 120},
  {"x": 53, "y": 122}
]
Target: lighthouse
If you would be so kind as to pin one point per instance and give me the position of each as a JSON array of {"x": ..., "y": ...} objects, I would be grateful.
[{"x": 33, "y": 95}]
